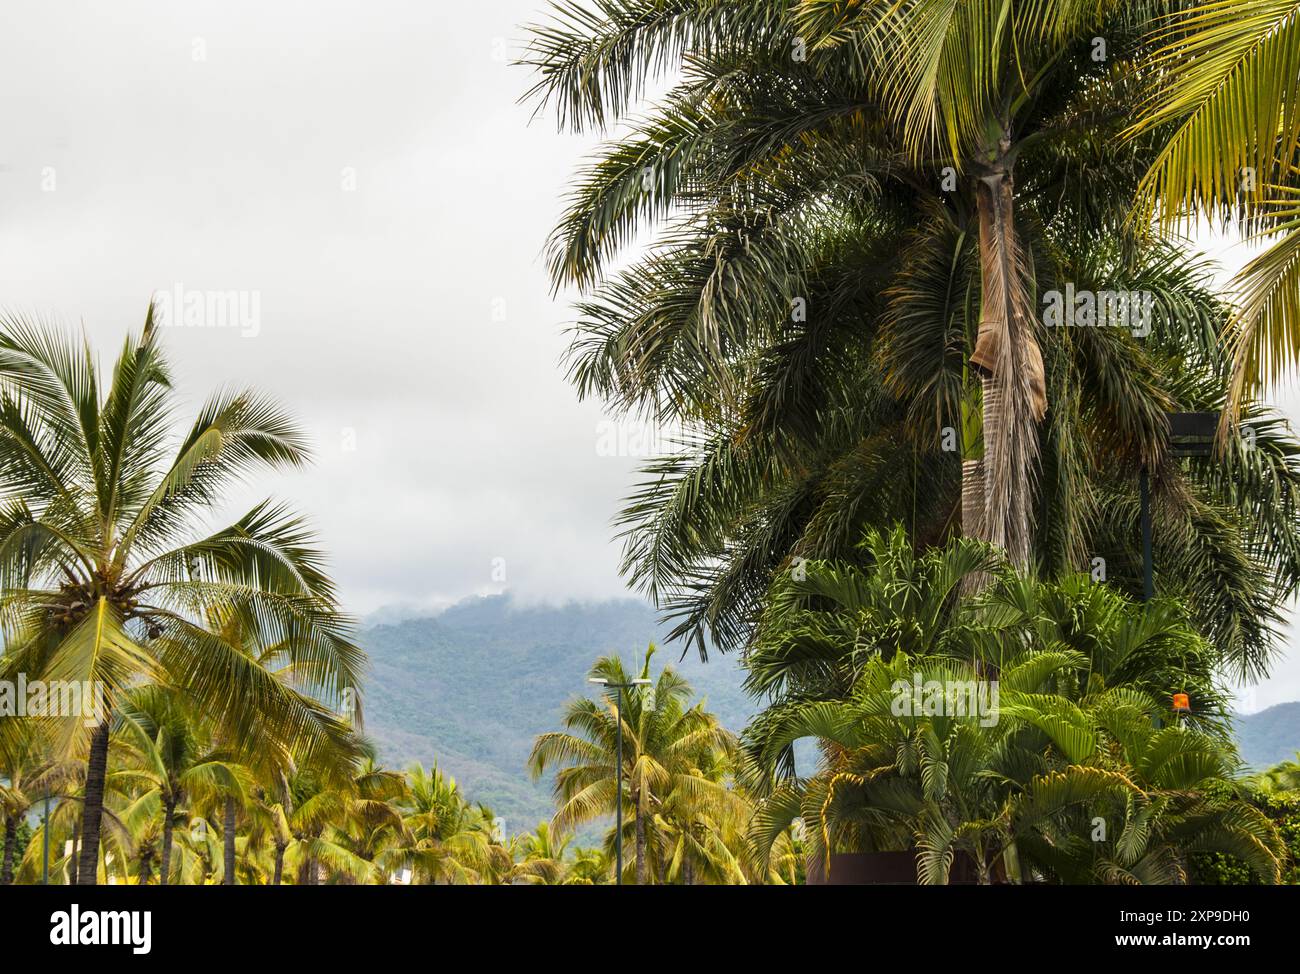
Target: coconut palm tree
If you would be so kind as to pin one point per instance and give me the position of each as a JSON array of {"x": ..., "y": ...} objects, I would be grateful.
[
  {"x": 542, "y": 853},
  {"x": 336, "y": 827},
  {"x": 665, "y": 742},
  {"x": 589, "y": 867},
  {"x": 165, "y": 749},
  {"x": 28, "y": 774},
  {"x": 107, "y": 576},
  {"x": 447, "y": 839}
]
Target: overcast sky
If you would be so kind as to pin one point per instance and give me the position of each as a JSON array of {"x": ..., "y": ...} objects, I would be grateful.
[{"x": 363, "y": 172}]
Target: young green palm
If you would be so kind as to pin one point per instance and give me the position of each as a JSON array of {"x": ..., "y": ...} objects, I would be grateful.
[
  {"x": 1055, "y": 785},
  {"x": 107, "y": 576},
  {"x": 665, "y": 742},
  {"x": 820, "y": 630}
]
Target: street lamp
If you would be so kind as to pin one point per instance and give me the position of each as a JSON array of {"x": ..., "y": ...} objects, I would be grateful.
[
  {"x": 45, "y": 841},
  {"x": 618, "y": 803},
  {"x": 1190, "y": 435}
]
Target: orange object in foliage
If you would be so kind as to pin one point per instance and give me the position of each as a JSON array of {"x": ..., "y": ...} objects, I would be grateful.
[{"x": 1181, "y": 702}]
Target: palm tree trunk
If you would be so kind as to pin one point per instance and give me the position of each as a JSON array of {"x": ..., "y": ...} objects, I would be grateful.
[
  {"x": 93, "y": 813},
  {"x": 640, "y": 848},
  {"x": 228, "y": 842},
  {"x": 279, "y": 863},
  {"x": 1010, "y": 363},
  {"x": 11, "y": 843},
  {"x": 146, "y": 867},
  {"x": 164, "y": 869}
]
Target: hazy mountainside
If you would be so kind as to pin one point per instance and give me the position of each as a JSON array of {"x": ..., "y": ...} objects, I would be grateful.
[
  {"x": 1270, "y": 736},
  {"x": 474, "y": 685}
]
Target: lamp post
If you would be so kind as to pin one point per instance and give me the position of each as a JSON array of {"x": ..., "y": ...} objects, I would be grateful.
[
  {"x": 1190, "y": 435},
  {"x": 45, "y": 842},
  {"x": 618, "y": 802}
]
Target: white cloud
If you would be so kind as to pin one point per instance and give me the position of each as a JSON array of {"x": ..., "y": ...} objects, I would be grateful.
[{"x": 229, "y": 171}]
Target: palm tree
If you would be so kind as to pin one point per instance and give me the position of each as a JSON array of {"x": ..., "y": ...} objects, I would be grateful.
[
  {"x": 816, "y": 181},
  {"x": 1019, "y": 796},
  {"x": 1078, "y": 728},
  {"x": 542, "y": 857},
  {"x": 819, "y": 630},
  {"x": 166, "y": 749},
  {"x": 1221, "y": 80},
  {"x": 664, "y": 744},
  {"x": 27, "y": 775},
  {"x": 333, "y": 822},
  {"x": 448, "y": 840},
  {"x": 1282, "y": 777},
  {"x": 105, "y": 576},
  {"x": 589, "y": 867}
]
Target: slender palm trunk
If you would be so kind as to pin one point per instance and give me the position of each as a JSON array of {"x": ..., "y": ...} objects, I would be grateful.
[
  {"x": 146, "y": 867},
  {"x": 1010, "y": 364},
  {"x": 640, "y": 848},
  {"x": 279, "y": 863},
  {"x": 228, "y": 842},
  {"x": 93, "y": 813},
  {"x": 164, "y": 869},
  {"x": 76, "y": 845},
  {"x": 11, "y": 843}
]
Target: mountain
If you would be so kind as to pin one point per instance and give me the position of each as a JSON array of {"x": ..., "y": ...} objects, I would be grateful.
[
  {"x": 472, "y": 686},
  {"x": 1270, "y": 736}
]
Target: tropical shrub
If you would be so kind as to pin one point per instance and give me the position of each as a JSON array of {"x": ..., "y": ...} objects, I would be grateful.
[{"x": 1073, "y": 767}]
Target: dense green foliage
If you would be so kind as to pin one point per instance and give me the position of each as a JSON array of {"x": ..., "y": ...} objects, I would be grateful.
[
  {"x": 1076, "y": 768},
  {"x": 827, "y": 265}
]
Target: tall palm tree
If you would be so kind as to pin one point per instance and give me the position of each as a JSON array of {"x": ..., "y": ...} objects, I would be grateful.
[
  {"x": 791, "y": 115},
  {"x": 665, "y": 741},
  {"x": 811, "y": 309},
  {"x": 106, "y": 574}
]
